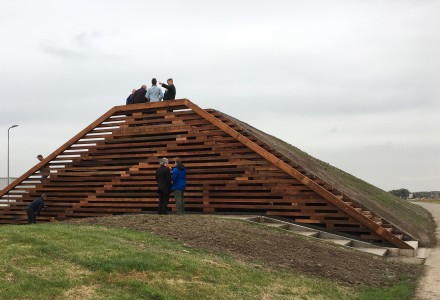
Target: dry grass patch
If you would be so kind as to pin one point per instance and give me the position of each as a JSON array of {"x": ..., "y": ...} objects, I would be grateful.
[
  {"x": 216, "y": 264},
  {"x": 83, "y": 292}
]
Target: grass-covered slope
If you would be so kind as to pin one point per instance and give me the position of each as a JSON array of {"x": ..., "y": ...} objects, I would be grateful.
[
  {"x": 65, "y": 261},
  {"x": 409, "y": 217}
]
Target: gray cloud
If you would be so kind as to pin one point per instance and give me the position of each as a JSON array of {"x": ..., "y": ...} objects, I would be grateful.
[
  {"x": 64, "y": 53},
  {"x": 80, "y": 47},
  {"x": 355, "y": 83}
]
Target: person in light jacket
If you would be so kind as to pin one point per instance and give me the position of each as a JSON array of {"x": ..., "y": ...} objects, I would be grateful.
[{"x": 154, "y": 93}]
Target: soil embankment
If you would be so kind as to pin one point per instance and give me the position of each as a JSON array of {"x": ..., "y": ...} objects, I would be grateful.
[{"x": 271, "y": 248}]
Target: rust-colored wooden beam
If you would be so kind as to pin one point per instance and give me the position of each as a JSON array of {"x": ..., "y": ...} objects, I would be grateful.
[
  {"x": 246, "y": 158},
  {"x": 58, "y": 151},
  {"x": 85, "y": 131},
  {"x": 179, "y": 103},
  {"x": 382, "y": 232}
]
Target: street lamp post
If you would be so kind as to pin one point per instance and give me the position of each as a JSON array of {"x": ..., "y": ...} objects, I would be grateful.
[{"x": 13, "y": 126}]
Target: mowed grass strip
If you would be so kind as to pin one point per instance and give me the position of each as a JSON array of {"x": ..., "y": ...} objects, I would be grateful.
[{"x": 65, "y": 261}]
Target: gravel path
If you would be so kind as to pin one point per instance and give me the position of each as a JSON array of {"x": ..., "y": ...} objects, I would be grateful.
[{"x": 429, "y": 285}]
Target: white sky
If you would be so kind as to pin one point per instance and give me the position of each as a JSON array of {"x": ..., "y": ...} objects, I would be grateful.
[{"x": 355, "y": 83}]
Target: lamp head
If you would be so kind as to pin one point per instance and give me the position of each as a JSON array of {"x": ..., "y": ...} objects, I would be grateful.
[{"x": 13, "y": 126}]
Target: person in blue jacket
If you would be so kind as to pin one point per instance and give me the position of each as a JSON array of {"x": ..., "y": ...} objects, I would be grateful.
[
  {"x": 33, "y": 209},
  {"x": 179, "y": 185}
]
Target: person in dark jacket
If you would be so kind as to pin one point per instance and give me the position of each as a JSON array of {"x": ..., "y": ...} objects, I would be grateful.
[
  {"x": 139, "y": 95},
  {"x": 179, "y": 185},
  {"x": 130, "y": 99},
  {"x": 163, "y": 179},
  {"x": 33, "y": 209},
  {"x": 170, "y": 93}
]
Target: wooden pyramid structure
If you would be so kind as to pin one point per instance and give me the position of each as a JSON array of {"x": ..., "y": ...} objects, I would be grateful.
[{"x": 109, "y": 168}]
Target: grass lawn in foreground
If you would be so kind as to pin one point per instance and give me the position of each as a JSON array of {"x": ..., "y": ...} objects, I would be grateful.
[{"x": 65, "y": 261}]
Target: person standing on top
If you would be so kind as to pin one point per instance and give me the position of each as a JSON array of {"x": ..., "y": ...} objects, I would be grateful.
[
  {"x": 139, "y": 95},
  {"x": 179, "y": 185},
  {"x": 154, "y": 93},
  {"x": 130, "y": 99},
  {"x": 33, "y": 209},
  {"x": 170, "y": 93},
  {"x": 163, "y": 179}
]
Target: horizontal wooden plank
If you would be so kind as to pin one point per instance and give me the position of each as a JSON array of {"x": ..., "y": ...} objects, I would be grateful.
[{"x": 110, "y": 168}]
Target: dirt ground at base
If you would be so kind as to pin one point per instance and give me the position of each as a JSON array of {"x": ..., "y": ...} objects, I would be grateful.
[{"x": 272, "y": 248}]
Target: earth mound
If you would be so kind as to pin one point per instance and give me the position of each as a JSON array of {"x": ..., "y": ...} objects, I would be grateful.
[{"x": 267, "y": 247}]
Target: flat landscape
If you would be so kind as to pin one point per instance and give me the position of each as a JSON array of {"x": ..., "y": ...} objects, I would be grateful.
[{"x": 190, "y": 257}]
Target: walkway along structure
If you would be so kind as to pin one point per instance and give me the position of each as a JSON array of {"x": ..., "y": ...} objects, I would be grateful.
[{"x": 109, "y": 168}]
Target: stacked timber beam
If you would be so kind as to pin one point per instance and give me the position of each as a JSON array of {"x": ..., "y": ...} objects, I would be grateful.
[{"x": 108, "y": 168}]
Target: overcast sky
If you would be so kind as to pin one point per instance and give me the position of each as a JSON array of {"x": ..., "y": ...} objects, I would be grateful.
[{"x": 354, "y": 83}]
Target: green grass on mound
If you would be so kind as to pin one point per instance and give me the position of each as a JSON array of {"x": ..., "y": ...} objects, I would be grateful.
[
  {"x": 414, "y": 220},
  {"x": 66, "y": 261}
]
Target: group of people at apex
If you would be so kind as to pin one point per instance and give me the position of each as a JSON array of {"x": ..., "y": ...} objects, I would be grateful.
[
  {"x": 169, "y": 179},
  {"x": 154, "y": 93}
]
